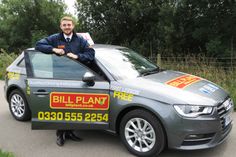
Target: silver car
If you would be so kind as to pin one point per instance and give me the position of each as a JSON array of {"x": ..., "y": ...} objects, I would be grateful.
[{"x": 150, "y": 108}]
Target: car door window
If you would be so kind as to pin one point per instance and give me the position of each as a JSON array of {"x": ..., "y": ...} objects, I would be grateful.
[
  {"x": 56, "y": 67},
  {"x": 21, "y": 63}
]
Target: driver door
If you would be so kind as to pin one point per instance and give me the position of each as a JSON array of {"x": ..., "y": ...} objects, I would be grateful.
[{"x": 60, "y": 99}]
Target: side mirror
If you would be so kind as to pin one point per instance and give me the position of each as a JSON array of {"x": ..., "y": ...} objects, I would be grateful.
[{"x": 89, "y": 78}]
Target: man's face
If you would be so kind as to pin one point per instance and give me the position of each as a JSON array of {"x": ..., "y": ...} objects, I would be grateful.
[{"x": 67, "y": 27}]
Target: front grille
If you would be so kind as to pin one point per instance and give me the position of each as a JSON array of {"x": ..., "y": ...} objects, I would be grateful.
[{"x": 222, "y": 112}]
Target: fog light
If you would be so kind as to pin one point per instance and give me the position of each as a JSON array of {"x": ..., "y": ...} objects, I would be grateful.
[
  {"x": 197, "y": 139},
  {"x": 195, "y": 136},
  {"x": 199, "y": 136}
]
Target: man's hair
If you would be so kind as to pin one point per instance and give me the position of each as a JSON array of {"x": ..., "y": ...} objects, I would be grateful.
[{"x": 68, "y": 18}]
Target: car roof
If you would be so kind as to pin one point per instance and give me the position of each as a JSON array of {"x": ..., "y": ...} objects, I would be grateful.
[{"x": 96, "y": 47}]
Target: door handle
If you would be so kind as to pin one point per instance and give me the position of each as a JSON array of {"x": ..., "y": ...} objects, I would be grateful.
[{"x": 41, "y": 92}]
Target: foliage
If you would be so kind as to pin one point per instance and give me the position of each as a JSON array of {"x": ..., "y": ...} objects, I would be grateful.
[
  {"x": 161, "y": 26},
  {"x": 6, "y": 154},
  {"x": 149, "y": 27},
  {"x": 132, "y": 23},
  {"x": 26, "y": 21},
  {"x": 208, "y": 25},
  {"x": 5, "y": 60}
]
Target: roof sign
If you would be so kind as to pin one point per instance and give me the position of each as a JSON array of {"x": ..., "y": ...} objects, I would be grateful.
[{"x": 87, "y": 37}]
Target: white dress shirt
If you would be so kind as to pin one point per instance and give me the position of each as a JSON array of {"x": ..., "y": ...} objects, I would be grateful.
[{"x": 66, "y": 36}]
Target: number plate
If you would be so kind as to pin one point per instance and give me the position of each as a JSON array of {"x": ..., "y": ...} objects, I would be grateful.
[{"x": 228, "y": 119}]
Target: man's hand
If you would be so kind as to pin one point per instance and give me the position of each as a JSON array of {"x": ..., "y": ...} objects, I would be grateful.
[
  {"x": 73, "y": 56},
  {"x": 58, "y": 51}
]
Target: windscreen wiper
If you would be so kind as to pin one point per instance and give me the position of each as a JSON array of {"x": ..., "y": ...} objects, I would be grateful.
[{"x": 149, "y": 72}]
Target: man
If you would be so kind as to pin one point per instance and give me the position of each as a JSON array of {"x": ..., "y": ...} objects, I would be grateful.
[
  {"x": 76, "y": 47},
  {"x": 67, "y": 43}
]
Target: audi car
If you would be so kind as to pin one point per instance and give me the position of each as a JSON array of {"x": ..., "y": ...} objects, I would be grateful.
[{"x": 120, "y": 91}]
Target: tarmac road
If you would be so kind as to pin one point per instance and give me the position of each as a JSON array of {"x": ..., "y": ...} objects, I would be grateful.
[{"x": 17, "y": 137}]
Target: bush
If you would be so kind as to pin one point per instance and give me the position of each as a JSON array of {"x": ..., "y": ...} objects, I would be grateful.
[
  {"x": 5, "y": 60},
  {"x": 6, "y": 154}
]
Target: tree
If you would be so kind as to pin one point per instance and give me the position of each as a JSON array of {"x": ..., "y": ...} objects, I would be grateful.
[
  {"x": 134, "y": 23},
  {"x": 163, "y": 26},
  {"x": 204, "y": 26},
  {"x": 24, "y": 22}
]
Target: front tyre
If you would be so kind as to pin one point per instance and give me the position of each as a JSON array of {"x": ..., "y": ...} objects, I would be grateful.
[
  {"x": 142, "y": 133},
  {"x": 18, "y": 106}
]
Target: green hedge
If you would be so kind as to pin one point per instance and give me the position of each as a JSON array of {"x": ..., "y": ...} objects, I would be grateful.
[
  {"x": 6, "y": 154},
  {"x": 5, "y": 60}
]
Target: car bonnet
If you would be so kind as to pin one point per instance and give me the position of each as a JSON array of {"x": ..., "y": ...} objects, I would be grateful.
[{"x": 177, "y": 88}]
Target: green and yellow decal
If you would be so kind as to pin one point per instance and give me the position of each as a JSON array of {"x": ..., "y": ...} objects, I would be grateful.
[
  {"x": 13, "y": 76},
  {"x": 27, "y": 88},
  {"x": 123, "y": 96}
]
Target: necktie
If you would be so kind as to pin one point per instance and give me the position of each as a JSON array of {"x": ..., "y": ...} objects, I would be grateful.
[{"x": 67, "y": 39}]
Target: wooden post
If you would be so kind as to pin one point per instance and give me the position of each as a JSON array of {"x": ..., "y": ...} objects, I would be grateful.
[
  {"x": 232, "y": 52},
  {"x": 159, "y": 59}
]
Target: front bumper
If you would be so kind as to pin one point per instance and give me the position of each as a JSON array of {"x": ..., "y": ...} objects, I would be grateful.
[{"x": 200, "y": 133}]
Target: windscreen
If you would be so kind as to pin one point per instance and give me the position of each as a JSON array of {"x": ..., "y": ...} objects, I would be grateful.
[{"x": 124, "y": 63}]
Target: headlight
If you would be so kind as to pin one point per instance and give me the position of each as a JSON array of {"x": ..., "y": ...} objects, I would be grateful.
[{"x": 192, "y": 111}]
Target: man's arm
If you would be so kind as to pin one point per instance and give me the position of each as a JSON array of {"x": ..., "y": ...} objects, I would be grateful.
[
  {"x": 46, "y": 45},
  {"x": 88, "y": 52}
]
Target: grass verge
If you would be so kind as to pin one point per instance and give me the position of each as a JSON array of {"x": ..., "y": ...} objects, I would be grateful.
[{"x": 6, "y": 154}]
